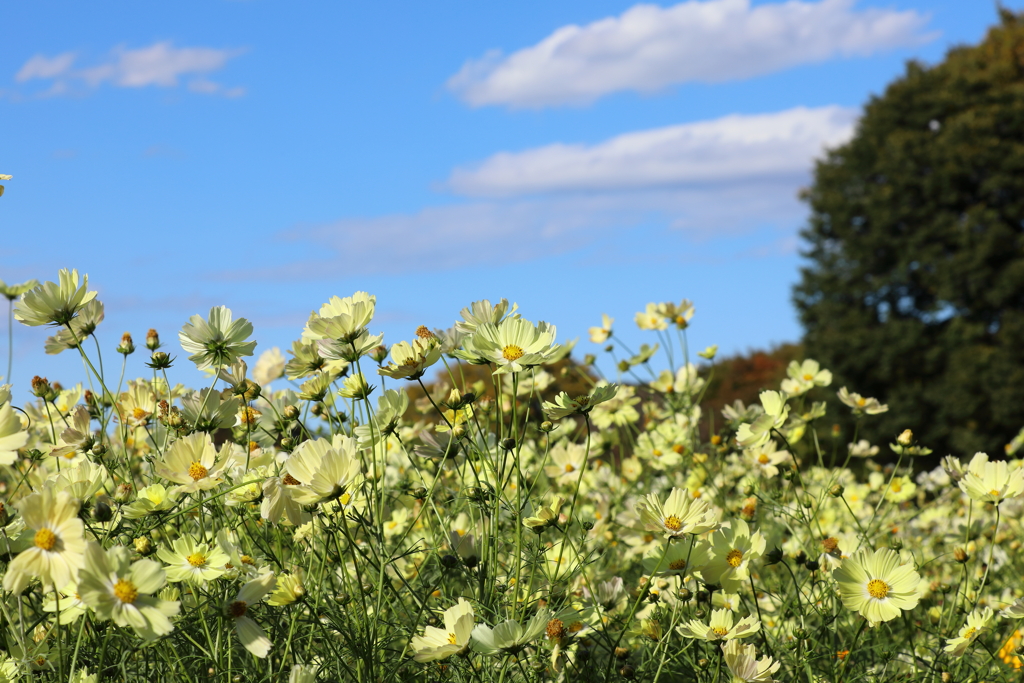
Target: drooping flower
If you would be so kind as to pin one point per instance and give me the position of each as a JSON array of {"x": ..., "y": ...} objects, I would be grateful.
[
  {"x": 744, "y": 665},
  {"x": 600, "y": 335},
  {"x": 757, "y": 433},
  {"x": 509, "y": 637},
  {"x": 250, "y": 634},
  {"x": 122, "y": 591},
  {"x": 877, "y": 585},
  {"x": 723, "y": 626},
  {"x": 12, "y": 435},
  {"x": 219, "y": 340},
  {"x": 436, "y": 643},
  {"x": 58, "y": 543},
  {"x": 861, "y": 405},
  {"x": 54, "y": 303},
  {"x": 565, "y": 405}
]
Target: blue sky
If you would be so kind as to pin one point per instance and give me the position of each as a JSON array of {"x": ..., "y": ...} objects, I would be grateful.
[{"x": 578, "y": 158}]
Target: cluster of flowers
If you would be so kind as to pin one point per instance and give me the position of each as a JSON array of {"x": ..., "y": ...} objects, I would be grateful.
[{"x": 491, "y": 525}]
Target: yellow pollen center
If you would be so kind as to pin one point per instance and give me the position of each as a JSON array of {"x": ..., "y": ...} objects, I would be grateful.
[
  {"x": 45, "y": 539},
  {"x": 246, "y": 559},
  {"x": 512, "y": 353},
  {"x": 452, "y": 639},
  {"x": 139, "y": 414},
  {"x": 734, "y": 558},
  {"x": 897, "y": 485},
  {"x": 969, "y": 632},
  {"x": 763, "y": 459},
  {"x": 345, "y": 498},
  {"x": 719, "y": 630},
  {"x": 289, "y": 480},
  {"x": 238, "y": 608},
  {"x": 125, "y": 591},
  {"x": 862, "y": 402},
  {"x": 197, "y": 559},
  {"x": 656, "y": 453},
  {"x": 808, "y": 377},
  {"x": 582, "y": 401},
  {"x": 569, "y": 467},
  {"x": 555, "y": 629},
  {"x": 677, "y": 565},
  {"x": 674, "y": 523},
  {"x": 197, "y": 471},
  {"x": 994, "y": 492},
  {"x": 877, "y": 588}
]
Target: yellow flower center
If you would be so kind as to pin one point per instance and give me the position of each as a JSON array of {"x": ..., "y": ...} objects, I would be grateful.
[
  {"x": 238, "y": 609},
  {"x": 289, "y": 480},
  {"x": 677, "y": 565},
  {"x": 862, "y": 402},
  {"x": 197, "y": 559},
  {"x": 877, "y": 588},
  {"x": 734, "y": 558},
  {"x": 512, "y": 353},
  {"x": 897, "y": 485},
  {"x": 345, "y": 498},
  {"x": 555, "y": 629},
  {"x": 45, "y": 539},
  {"x": 674, "y": 523},
  {"x": 656, "y": 453},
  {"x": 969, "y": 632},
  {"x": 720, "y": 630},
  {"x": 246, "y": 559},
  {"x": 452, "y": 639},
  {"x": 569, "y": 467},
  {"x": 125, "y": 591},
  {"x": 139, "y": 413},
  {"x": 763, "y": 459},
  {"x": 423, "y": 332},
  {"x": 197, "y": 471},
  {"x": 994, "y": 492},
  {"x": 582, "y": 401},
  {"x": 808, "y": 376}
]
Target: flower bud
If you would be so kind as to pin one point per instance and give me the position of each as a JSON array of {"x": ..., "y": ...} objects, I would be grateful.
[
  {"x": 773, "y": 556},
  {"x": 152, "y": 340},
  {"x": 379, "y": 353},
  {"x": 127, "y": 346},
  {"x": 836, "y": 491},
  {"x": 159, "y": 360},
  {"x": 546, "y": 426},
  {"x": 291, "y": 413},
  {"x": 961, "y": 556},
  {"x": 589, "y": 359},
  {"x": 143, "y": 546},
  {"x": 906, "y": 438},
  {"x": 42, "y": 389}
]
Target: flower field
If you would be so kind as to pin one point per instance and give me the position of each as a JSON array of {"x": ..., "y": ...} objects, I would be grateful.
[{"x": 457, "y": 508}]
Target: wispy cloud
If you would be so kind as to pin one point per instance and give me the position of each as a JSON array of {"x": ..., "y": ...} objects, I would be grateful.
[
  {"x": 706, "y": 180},
  {"x": 648, "y": 48},
  {"x": 728, "y": 150},
  {"x": 160, "y": 65}
]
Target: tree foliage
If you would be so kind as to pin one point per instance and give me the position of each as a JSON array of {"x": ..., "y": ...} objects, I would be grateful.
[{"x": 914, "y": 292}]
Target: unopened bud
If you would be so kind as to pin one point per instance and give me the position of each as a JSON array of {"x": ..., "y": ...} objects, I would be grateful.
[
  {"x": 379, "y": 353},
  {"x": 589, "y": 359},
  {"x": 749, "y": 490},
  {"x": 42, "y": 389},
  {"x": 773, "y": 556},
  {"x": 906, "y": 438},
  {"x": 143, "y": 546},
  {"x": 627, "y": 672},
  {"x": 960, "y": 555},
  {"x": 152, "y": 340},
  {"x": 623, "y": 366},
  {"x": 508, "y": 444},
  {"x": 546, "y": 426},
  {"x": 159, "y": 360},
  {"x": 127, "y": 346},
  {"x": 291, "y": 413},
  {"x": 836, "y": 491}
]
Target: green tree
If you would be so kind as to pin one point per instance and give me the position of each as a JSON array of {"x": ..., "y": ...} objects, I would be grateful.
[{"x": 914, "y": 292}]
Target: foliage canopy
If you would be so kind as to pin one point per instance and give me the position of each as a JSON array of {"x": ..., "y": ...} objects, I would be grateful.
[{"x": 915, "y": 288}]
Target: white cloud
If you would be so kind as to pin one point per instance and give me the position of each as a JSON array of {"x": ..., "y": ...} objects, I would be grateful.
[
  {"x": 648, "y": 48},
  {"x": 161, "y": 64},
  {"x": 41, "y": 66},
  {"x": 733, "y": 149},
  {"x": 705, "y": 180}
]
